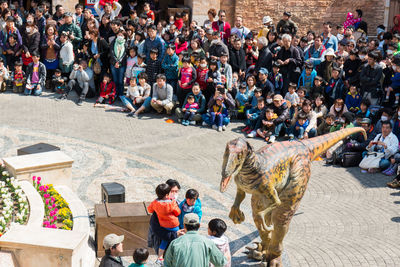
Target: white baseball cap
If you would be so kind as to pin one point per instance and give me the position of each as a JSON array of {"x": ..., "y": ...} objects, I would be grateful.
[{"x": 267, "y": 19}]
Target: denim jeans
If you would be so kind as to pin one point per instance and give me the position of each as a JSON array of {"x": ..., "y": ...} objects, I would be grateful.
[
  {"x": 189, "y": 116},
  {"x": 297, "y": 133},
  {"x": 278, "y": 128},
  {"x": 34, "y": 90},
  {"x": 384, "y": 164},
  {"x": 118, "y": 78},
  {"x": 126, "y": 101},
  {"x": 251, "y": 123},
  {"x": 207, "y": 119}
]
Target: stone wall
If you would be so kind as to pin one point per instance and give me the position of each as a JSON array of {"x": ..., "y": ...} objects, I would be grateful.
[{"x": 305, "y": 12}]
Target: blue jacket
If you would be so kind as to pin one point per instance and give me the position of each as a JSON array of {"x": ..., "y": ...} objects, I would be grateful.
[
  {"x": 334, "y": 89},
  {"x": 254, "y": 112},
  {"x": 396, "y": 81},
  {"x": 156, "y": 43},
  {"x": 304, "y": 126},
  {"x": 170, "y": 66},
  {"x": 196, "y": 209},
  {"x": 303, "y": 78},
  {"x": 353, "y": 102}
]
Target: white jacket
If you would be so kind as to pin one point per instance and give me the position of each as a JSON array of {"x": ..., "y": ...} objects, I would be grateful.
[
  {"x": 391, "y": 142},
  {"x": 67, "y": 53},
  {"x": 114, "y": 12}
]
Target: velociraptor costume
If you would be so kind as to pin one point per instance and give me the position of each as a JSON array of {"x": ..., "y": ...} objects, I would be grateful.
[{"x": 277, "y": 177}]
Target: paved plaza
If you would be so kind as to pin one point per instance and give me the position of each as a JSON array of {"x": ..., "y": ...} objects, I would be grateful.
[{"x": 345, "y": 219}]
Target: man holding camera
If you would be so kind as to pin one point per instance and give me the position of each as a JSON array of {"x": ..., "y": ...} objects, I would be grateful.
[{"x": 81, "y": 80}]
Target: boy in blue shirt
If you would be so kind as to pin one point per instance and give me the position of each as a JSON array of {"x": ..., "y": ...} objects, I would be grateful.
[
  {"x": 297, "y": 130},
  {"x": 253, "y": 114},
  {"x": 353, "y": 99},
  {"x": 191, "y": 204}
]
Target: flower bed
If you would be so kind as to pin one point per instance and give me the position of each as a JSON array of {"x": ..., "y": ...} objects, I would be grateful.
[
  {"x": 57, "y": 213},
  {"x": 14, "y": 206}
]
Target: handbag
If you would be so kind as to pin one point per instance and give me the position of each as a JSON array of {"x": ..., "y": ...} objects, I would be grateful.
[
  {"x": 371, "y": 160},
  {"x": 351, "y": 159},
  {"x": 95, "y": 65}
]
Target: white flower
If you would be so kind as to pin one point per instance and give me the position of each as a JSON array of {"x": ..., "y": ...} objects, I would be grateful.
[{"x": 5, "y": 173}]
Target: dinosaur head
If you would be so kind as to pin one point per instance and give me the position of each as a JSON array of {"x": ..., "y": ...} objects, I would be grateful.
[{"x": 235, "y": 154}]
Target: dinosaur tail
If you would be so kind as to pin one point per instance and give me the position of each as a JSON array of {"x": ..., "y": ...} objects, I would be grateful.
[{"x": 321, "y": 144}]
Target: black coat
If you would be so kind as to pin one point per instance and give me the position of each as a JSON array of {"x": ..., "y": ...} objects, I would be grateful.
[
  {"x": 264, "y": 60},
  {"x": 237, "y": 59},
  {"x": 103, "y": 50},
  {"x": 108, "y": 261},
  {"x": 294, "y": 60},
  {"x": 113, "y": 59}
]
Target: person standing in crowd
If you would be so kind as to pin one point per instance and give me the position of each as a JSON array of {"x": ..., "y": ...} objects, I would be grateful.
[
  {"x": 286, "y": 25},
  {"x": 113, "y": 248},
  {"x": 240, "y": 30},
  {"x": 222, "y": 26}
]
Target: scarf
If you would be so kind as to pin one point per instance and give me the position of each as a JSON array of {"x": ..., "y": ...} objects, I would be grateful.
[{"x": 119, "y": 48}]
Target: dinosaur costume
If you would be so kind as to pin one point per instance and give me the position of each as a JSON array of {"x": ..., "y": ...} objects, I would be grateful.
[{"x": 277, "y": 177}]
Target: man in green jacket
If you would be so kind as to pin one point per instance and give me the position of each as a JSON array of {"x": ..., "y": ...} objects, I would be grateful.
[
  {"x": 193, "y": 249},
  {"x": 74, "y": 32}
]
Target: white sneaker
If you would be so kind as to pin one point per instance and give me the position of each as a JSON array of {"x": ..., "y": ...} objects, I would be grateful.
[
  {"x": 204, "y": 124},
  {"x": 192, "y": 122},
  {"x": 272, "y": 139},
  {"x": 223, "y": 127},
  {"x": 215, "y": 127},
  {"x": 252, "y": 134},
  {"x": 220, "y": 129}
]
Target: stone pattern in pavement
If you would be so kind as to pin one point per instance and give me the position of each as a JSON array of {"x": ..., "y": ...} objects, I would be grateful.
[{"x": 346, "y": 218}]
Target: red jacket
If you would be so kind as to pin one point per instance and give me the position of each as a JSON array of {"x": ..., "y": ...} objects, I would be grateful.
[
  {"x": 226, "y": 33},
  {"x": 201, "y": 78},
  {"x": 108, "y": 89},
  {"x": 181, "y": 47},
  {"x": 179, "y": 24},
  {"x": 167, "y": 212}
]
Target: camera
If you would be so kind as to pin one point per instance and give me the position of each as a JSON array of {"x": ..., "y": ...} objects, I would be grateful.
[{"x": 76, "y": 66}]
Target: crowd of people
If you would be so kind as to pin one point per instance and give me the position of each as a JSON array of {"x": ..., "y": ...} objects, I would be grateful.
[{"x": 280, "y": 83}]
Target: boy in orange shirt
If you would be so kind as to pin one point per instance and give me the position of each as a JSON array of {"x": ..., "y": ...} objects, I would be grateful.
[{"x": 167, "y": 211}]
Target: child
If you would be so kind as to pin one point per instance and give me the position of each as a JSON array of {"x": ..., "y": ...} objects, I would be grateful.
[
  {"x": 213, "y": 77},
  {"x": 107, "y": 91},
  {"x": 242, "y": 98},
  {"x": 253, "y": 98},
  {"x": 18, "y": 77},
  {"x": 267, "y": 125},
  {"x": 395, "y": 86},
  {"x": 130, "y": 62},
  {"x": 351, "y": 68},
  {"x": 140, "y": 256},
  {"x": 139, "y": 67},
  {"x": 167, "y": 211},
  {"x": 276, "y": 78},
  {"x": 186, "y": 78},
  {"x": 364, "y": 108},
  {"x": 253, "y": 114},
  {"x": 170, "y": 67},
  {"x": 216, "y": 230},
  {"x": 58, "y": 82},
  {"x": 307, "y": 77},
  {"x": 318, "y": 88},
  {"x": 202, "y": 71},
  {"x": 217, "y": 113},
  {"x": 66, "y": 55},
  {"x": 153, "y": 66},
  {"x": 334, "y": 89},
  {"x": 190, "y": 110},
  {"x": 12, "y": 50},
  {"x": 191, "y": 204},
  {"x": 301, "y": 92},
  {"x": 129, "y": 100},
  {"x": 293, "y": 98},
  {"x": 326, "y": 125},
  {"x": 353, "y": 99},
  {"x": 300, "y": 126},
  {"x": 145, "y": 90},
  {"x": 149, "y": 13}
]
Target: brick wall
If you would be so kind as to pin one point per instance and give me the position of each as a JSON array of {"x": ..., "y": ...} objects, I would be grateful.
[{"x": 308, "y": 14}]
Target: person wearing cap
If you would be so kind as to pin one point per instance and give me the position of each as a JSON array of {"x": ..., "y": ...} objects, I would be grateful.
[
  {"x": 222, "y": 26},
  {"x": 286, "y": 25},
  {"x": 9, "y": 28},
  {"x": 263, "y": 83},
  {"x": 193, "y": 249},
  {"x": 316, "y": 53},
  {"x": 370, "y": 78},
  {"x": 74, "y": 32},
  {"x": 267, "y": 26},
  {"x": 325, "y": 68},
  {"x": 328, "y": 39},
  {"x": 264, "y": 55},
  {"x": 113, "y": 247},
  {"x": 240, "y": 30}
]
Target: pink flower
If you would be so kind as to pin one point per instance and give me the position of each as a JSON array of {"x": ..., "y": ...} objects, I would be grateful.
[
  {"x": 51, "y": 213},
  {"x": 52, "y": 220},
  {"x": 41, "y": 188},
  {"x": 46, "y": 195},
  {"x": 55, "y": 218},
  {"x": 34, "y": 178},
  {"x": 49, "y": 207},
  {"x": 39, "y": 179},
  {"x": 47, "y": 201},
  {"x": 46, "y": 223},
  {"x": 54, "y": 205},
  {"x": 47, "y": 187},
  {"x": 52, "y": 199},
  {"x": 55, "y": 210},
  {"x": 54, "y": 226},
  {"x": 38, "y": 182}
]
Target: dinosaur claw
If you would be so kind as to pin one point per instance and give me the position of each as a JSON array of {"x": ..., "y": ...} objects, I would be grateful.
[{"x": 236, "y": 215}]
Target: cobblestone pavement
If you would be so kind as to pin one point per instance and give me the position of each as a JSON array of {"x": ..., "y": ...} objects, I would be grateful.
[{"x": 345, "y": 219}]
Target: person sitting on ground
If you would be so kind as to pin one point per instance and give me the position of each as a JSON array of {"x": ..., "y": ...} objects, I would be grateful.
[
  {"x": 216, "y": 230},
  {"x": 113, "y": 248},
  {"x": 81, "y": 80},
  {"x": 307, "y": 78},
  {"x": 36, "y": 76},
  {"x": 317, "y": 88},
  {"x": 191, "y": 204},
  {"x": 107, "y": 91},
  {"x": 58, "y": 82},
  {"x": 276, "y": 78},
  {"x": 4, "y": 75},
  {"x": 192, "y": 249},
  {"x": 167, "y": 211},
  {"x": 338, "y": 109},
  {"x": 253, "y": 114},
  {"x": 140, "y": 256},
  {"x": 129, "y": 100},
  {"x": 190, "y": 109},
  {"x": 298, "y": 128},
  {"x": 353, "y": 99},
  {"x": 385, "y": 142},
  {"x": 162, "y": 95},
  {"x": 267, "y": 129},
  {"x": 199, "y": 99},
  {"x": 292, "y": 99},
  {"x": 18, "y": 78},
  {"x": 326, "y": 125},
  {"x": 216, "y": 113},
  {"x": 242, "y": 98},
  {"x": 364, "y": 108}
]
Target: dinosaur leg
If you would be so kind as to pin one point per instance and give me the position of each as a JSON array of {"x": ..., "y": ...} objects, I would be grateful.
[
  {"x": 236, "y": 215},
  {"x": 263, "y": 222}
]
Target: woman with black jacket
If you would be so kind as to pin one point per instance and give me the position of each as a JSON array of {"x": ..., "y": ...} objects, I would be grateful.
[{"x": 118, "y": 55}]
